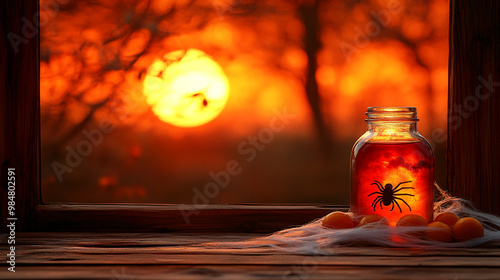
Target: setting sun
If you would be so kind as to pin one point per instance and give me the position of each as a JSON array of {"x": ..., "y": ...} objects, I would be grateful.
[
  {"x": 186, "y": 88},
  {"x": 189, "y": 85}
]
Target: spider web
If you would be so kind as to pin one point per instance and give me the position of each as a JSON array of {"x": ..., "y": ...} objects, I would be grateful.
[{"x": 313, "y": 238}]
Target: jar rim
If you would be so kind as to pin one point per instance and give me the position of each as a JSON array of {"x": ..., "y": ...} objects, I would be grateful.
[{"x": 394, "y": 114}]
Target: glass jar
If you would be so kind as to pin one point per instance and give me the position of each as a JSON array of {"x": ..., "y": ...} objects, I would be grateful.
[{"x": 392, "y": 166}]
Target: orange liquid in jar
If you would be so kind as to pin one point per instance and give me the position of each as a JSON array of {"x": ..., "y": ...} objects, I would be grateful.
[{"x": 393, "y": 180}]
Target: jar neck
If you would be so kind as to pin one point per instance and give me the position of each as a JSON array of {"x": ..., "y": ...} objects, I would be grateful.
[
  {"x": 392, "y": 119},
  {"x": 389, "y": 124},
  {"x": 391, "y": 127}
]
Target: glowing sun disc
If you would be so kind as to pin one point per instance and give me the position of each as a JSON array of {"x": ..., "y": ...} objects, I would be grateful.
[{"x": 186, "y": 88}]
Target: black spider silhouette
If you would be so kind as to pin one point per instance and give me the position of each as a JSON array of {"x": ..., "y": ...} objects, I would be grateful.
[{"x": 388, "y": 195}]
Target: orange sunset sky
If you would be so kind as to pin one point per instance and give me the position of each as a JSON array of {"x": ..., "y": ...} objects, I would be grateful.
[{"x": 178, "y": 117}]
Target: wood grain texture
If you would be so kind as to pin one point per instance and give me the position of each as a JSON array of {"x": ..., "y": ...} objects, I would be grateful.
[
  {"x": 473, "y": 155},
  {"x": 19, "y": 110},
  {"x": 49, "y": 255},
  {"x": 296, "y": 272}
]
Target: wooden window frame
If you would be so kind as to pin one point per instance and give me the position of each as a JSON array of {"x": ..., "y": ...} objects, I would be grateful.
[{"x": 470, "y": 23}]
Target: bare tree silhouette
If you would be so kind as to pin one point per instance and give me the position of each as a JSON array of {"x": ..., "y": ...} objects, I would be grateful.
[{"x": 308, "y": 13}]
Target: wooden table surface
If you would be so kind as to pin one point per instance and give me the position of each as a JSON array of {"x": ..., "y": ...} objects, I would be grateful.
[{"x": 120, "y": 256}]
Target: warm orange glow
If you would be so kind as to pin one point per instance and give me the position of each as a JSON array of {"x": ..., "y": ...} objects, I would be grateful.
[
  {"x": 326, "y": 76},
  {"x": 391, "y": 133},
  {"x": 186, "y": 89},
  {"x": 383, "y": 72},
  {"x": 106, "y": 59},
  {"x": 408, "y": 167}
]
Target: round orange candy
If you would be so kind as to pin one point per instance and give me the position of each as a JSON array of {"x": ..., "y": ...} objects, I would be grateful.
[
  {"x": 467, "y": 228},
  {"x": 438, "y": 231},
  {"x": 338, "y": 220},
  {"x": 373, "y": 218},
  {"x": 447, "y": 218},
  {"x": 412, "y": 220}
]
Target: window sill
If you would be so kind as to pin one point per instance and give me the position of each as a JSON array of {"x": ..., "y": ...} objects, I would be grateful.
[{"x": 174, "y": 218}]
